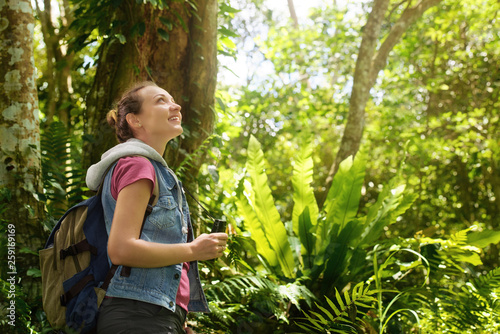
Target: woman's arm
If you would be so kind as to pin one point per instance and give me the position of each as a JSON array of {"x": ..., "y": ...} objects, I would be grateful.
[{"x": 125, "y": 247}]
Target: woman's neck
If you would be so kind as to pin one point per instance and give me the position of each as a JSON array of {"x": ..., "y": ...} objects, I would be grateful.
[{"x": 158, "y": 145}]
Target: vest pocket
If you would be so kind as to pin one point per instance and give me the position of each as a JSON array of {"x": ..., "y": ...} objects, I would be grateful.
[{"x": 164, "y": 212}]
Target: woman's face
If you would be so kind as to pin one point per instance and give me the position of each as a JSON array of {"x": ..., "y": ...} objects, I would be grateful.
[{"x": 160, "y": 115}]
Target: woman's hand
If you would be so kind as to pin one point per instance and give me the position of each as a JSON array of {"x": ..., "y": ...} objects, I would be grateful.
[{"x": 209, "y": 246}]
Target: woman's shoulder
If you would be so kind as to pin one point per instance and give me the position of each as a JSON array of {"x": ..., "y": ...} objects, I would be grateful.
[
  {"x": 134, "y": 165},
  {"x": 129, "y": 170},
  {"x": 134, "y": 160}
]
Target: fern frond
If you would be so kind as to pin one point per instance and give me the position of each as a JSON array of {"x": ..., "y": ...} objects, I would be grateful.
[
  {"x": 342, "y": 316},
  {"x": 197, "y": 154},
  {"x": 487, "y": 285}
]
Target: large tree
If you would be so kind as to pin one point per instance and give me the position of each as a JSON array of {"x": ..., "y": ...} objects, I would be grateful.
[
  {"x": 172, "y": 43},
  {"x": 372, "y": 57},
  {"x": 19, "y": 133}
]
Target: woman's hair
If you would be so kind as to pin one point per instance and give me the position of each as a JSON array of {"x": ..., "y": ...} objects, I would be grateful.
[{"x": 130, "y": 102}]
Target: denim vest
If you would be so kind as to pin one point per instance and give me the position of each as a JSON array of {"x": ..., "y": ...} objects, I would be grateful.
[{"x": 167, "y": 223}]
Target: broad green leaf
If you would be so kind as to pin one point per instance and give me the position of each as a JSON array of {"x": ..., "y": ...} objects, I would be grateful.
[
  {"x": 307, "y": 239},
  {"x": 342, "y": 201},
  {"x": 483, "y": 238},
  {"x": 226, "y": 32},
  {"x": 324, "y": 226},
  {"x": 344, "y": 206},
  {"x": 338, "y": 180},
  {"x": 303, "y": 195},
  {"x": 472, "y": 258},
  {"x": 228, "y": 42},
  {"x": 267, "y": 214},
  {"x": 34, "y": 272},
  {"x": 257, "y": 232},
  {"x": 377, "y": 218},
  {"x": 337, "y": 255}
]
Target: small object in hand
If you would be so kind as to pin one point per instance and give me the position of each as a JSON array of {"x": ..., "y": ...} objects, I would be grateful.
[{"x": 219, "y": 226}]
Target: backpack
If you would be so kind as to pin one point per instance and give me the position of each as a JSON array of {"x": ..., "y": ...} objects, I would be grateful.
[{"x": 74, "y": 265}]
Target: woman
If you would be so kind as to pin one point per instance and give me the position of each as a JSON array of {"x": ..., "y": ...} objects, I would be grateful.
[{"x": 163, "y": 283}]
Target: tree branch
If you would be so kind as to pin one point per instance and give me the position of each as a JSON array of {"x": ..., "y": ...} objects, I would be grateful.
[
  {"x": 409, "y": 16},
  {"x": 293, "y": 15}
]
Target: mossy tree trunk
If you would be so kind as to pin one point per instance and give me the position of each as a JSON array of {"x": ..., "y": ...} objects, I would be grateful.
[{"x": 20, "y": 179}]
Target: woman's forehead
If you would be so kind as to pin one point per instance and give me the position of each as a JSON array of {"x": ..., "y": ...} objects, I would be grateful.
[{"x": 152, "y": 91}]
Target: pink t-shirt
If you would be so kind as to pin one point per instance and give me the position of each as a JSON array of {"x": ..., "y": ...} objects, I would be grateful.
[{"x": 129, "y": 170}]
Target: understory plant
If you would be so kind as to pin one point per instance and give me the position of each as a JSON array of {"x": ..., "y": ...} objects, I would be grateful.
[
  {"x": 345, "y": 314},
  {"x": 325, "y": 248},
  {"x": 250, "y": 303},
  {"x": 328, "y": 249},
  {"x": 62, "y": 172}
]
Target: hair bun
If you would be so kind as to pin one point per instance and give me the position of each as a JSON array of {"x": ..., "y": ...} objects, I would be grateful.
[{"x": 112, "y": 118}]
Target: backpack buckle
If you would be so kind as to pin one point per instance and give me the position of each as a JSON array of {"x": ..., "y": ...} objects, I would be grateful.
[{"x": 71, "y": 250}]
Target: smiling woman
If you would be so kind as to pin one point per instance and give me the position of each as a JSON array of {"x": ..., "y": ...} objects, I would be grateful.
[{"x": 156, "y": 282}]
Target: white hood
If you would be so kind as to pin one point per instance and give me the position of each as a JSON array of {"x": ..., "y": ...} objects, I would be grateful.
[{"x": 133, "y": 146}]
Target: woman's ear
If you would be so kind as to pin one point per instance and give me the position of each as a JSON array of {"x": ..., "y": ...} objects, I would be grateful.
[{"x": 133, "y": 121}]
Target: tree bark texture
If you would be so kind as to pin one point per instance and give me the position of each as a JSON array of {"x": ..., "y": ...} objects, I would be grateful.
[
  {"x": 20, "y": 176},
  {"x": 369, "y": 63}
]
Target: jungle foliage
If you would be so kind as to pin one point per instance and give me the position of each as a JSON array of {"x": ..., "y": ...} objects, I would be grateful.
[{"x": 403, "y": 239}]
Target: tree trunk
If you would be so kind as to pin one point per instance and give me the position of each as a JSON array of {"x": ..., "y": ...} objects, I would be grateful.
[
  {"x": 20, "y": 180},
  {"x": 59, "y": 62},
  {"x": 368, "y": 64},
  {"x": 185, "y": 65}
]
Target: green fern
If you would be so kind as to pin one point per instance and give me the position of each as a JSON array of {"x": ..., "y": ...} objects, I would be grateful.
[
  {"x": 487, "y": 285},
  {"x": 188, "y": 162},
  {"x": 239, "y": 297},
  {"x": 446, "y": 255},
  {"x": 342, "y": 315},
  {"x": 63, "y": 176},
  {"x": 450, "y": 301}
]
